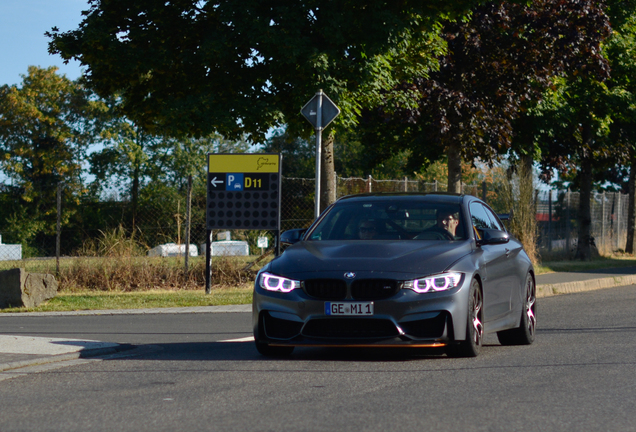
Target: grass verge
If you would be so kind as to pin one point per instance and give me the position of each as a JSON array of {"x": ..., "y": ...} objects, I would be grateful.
[
  {"x": 579, "y": 266},
  {"x": 104, "y": 300}
]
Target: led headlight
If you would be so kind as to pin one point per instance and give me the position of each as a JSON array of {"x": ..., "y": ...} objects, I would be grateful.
[
  {"x": 438, "y": 282},
  {"x": 272, "y": 282}
]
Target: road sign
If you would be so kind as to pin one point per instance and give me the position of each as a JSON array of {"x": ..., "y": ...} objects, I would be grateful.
[
  {"x": 244, "y": 191},
  {"x": 320, "y": 111},
  {"x": 320, "y": 104}
]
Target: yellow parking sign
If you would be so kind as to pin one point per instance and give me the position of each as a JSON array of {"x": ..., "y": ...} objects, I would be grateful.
[
  {"x": 243, "y": 163},
  {"x": 244, "y": 191}
]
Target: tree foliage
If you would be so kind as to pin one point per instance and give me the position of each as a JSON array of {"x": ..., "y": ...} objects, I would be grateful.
[
  {"x": 498, "y": 63},
  {"x": 585, "y": 124},
  {"x": 46, "y": 127},
  {"x": 195, "y": 67}
]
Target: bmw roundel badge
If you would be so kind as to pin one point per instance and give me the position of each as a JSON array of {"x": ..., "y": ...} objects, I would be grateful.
[{"x": 349, "y": 275}]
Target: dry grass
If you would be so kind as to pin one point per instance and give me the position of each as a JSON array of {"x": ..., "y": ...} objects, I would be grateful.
[
  {"x": 518, "y": 193},
  {"x": 116, "y": 261},
  {"x": 143, "y": 273}
]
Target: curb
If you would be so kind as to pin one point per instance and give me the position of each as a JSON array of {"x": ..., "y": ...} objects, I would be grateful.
[
  {"x": 549, "y": 290},
  {"x": 47, "y": 359}
]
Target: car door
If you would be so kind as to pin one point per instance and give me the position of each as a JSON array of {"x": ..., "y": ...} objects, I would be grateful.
[
  {"x": 515, "y": 274},
  {"x": 494, "y": 262}
]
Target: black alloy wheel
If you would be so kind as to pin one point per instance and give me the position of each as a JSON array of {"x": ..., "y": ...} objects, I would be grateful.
[
  {"x": 525, "y": 333},
  {"x": 474, "y": 326}
]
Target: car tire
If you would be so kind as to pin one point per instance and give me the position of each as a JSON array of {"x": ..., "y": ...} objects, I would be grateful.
[
  {"x": 474, "y": 325},
  {"x": 273, "y": 351},
  {"x": 524, "y": 334}
]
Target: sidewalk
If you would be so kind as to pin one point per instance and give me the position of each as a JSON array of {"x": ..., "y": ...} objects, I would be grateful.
[
  {"x": 22, "y": 351},
  {"x": 571, "y": 282}
]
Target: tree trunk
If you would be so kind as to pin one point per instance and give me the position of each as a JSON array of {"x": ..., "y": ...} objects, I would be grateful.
[
  {"x": 327, "y": 181},
  {"x": 584, "y": 249},
  {"x": 631, "y": 223},
  {"x": 453, "y": 152}
]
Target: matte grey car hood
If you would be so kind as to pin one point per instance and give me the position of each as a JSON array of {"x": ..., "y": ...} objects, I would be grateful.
[{"x": 407, "y": 256}]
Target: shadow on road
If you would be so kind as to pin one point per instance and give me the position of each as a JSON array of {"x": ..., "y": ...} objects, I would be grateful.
[{"x": 246, "y": 351}]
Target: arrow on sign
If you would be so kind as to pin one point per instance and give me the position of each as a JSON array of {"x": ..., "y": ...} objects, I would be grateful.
[{"x": 215, "y": 181}]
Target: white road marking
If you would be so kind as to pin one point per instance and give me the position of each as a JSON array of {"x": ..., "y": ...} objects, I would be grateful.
[
  {"x": 49, "y": 346},
  {"x": 245, "y": 339}
]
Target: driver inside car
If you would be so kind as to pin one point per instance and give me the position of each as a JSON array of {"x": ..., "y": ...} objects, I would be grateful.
[
  {"x": 367, "y": 229},
  {"x": 448, "y": 221}
]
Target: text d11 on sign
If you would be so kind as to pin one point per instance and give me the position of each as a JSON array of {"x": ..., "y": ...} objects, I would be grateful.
[{"x": 262, "y": 242}]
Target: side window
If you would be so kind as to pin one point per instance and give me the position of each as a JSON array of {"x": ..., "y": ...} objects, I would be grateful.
[
  {"x": 480, "y": 218},
  {"x": 494, "y": 220}
]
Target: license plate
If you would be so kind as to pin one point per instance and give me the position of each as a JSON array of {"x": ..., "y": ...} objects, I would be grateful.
[{"x": 337, "y": 308}]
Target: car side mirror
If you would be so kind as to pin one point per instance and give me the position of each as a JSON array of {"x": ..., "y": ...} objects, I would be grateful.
[
  {"x": 292, "y": 236},
  {"x": 492, "y": 236}
]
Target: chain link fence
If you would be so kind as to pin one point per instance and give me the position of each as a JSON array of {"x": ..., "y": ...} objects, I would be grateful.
[
  {"x": 99, "y": 228},
  {"x": 557, "y": 220},
  {"x": 297, "y": 204}
]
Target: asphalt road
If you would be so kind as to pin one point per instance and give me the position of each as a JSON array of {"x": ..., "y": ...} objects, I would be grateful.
[{"x": 578, "y": 376}]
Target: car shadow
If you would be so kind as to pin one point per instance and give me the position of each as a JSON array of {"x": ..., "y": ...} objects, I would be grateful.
[{"x": 246, "y": 351}]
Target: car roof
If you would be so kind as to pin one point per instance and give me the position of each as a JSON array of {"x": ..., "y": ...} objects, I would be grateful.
[{"x": 437, "y": 197}]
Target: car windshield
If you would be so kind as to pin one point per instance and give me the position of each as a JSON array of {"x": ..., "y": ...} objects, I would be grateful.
[{"x": 390, "y": 220}]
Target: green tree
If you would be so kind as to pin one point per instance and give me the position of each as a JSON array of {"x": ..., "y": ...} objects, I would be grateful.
[
  {"x": 583, "y": 127},
  {"x": 46, "y": 127},
  {"x": 128, "y": 159},
  {"x": 621, "y": 53},
  {"x": 196, "y": 67},
  {"x": 497, "y": 63}
]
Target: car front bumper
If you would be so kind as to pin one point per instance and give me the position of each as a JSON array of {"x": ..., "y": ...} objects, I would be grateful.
[{"x": 408, "y": 319}]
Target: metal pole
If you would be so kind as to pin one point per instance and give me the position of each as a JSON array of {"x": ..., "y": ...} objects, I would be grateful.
[
  {"x": 618, "y": 218},
  {"x": 277, "y": 240},
  {"x": 567, "y": 221},
  {"x": 208, "y": 261},
  {"x": 187, "y": 227},
  {"x": 58, "y": 228},
  {"x": 602, "y": 245},
  {"x": 550, "y": 220},
  {"x": 318, "y": 152}
]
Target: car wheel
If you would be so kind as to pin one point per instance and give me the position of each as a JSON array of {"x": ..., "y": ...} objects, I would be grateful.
[
  {"x": 474, "y": 326},
  {"x": 524, "y": 334},
  {"x": 273, "y": 351}
]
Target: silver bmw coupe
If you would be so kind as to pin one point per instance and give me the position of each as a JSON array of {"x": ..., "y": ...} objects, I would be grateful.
[{"x": 397, "y": 270}]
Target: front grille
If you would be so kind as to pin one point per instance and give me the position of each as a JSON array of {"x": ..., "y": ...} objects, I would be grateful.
[
  {"x": 374, "y": 289},
  {"x": 350, "y": 328},
  {"x": 326, "y": 289}
]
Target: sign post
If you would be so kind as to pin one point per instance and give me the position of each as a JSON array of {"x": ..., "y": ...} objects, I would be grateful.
[
  {"x": 243, "y": 193},
  {"x": 319, "y": 111}
]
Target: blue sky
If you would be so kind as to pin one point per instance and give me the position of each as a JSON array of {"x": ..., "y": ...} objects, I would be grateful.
[{"x": 22, "y": 40}]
